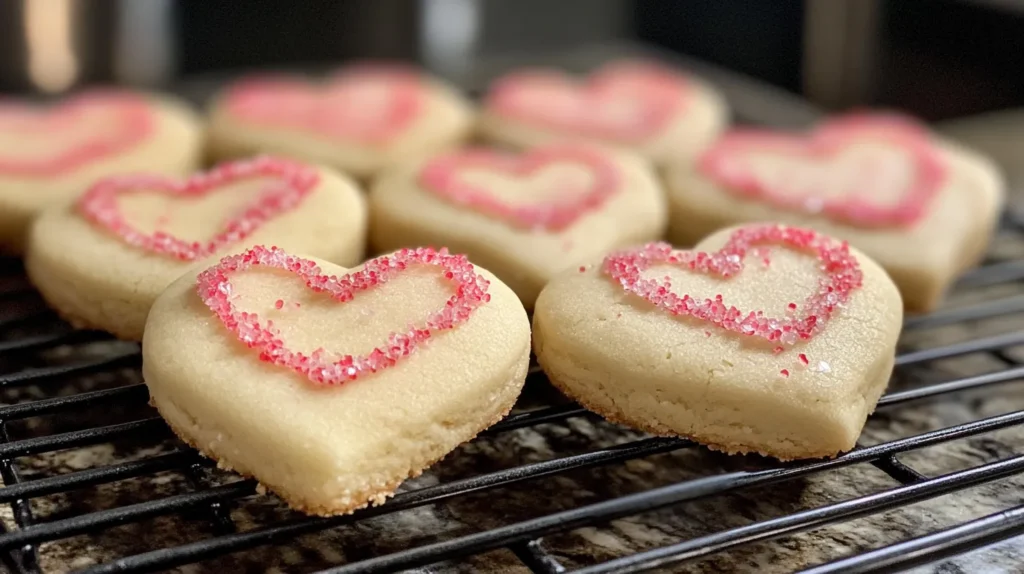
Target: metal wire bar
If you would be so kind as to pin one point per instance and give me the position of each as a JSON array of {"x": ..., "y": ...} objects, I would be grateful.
[
  {"x": 50, "y": 340},
  {"x": 538, "y": 560},
  {"x": 82, "y": 437},
  {"x": 963, "y": 348},
  {"x": 650, "y": 500},
  {"x": 123, "y": 395},
  {"x": 93, "y": 476},
  {"x": 35, "y": 376},
  {"x": 987, "y": 310},
  {"x": 29, "y": 558},
  {"x": 186, "y": 554},
  {"x": 897, "y": 470},
  {"x": 932, "y": 547},
  {"x": 536, "y": 528},
  {"x": 810, "y": 519}
]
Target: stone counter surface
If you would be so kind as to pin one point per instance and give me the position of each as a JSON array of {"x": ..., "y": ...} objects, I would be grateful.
[{"x": 582, "y": 546}]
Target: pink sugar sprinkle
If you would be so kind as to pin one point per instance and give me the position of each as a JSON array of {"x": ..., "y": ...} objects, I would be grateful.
[
  {"x": 294, "y": 181},
  {"x": 707, "y": 333},
  {"x": 784, "y": 372},
  {"x": 842, "y": 275},
  {"x": 792, "y": 306},
  {"x": 126, "y": 118},
  {"x": 322, "y": 367},
  {"x": 441, "y": 176},
  {"x": 803, "y": 359},
  {"x": 778, "y": 350},
  {"x": 279, "y": 304},
  {"x": 583, "y": 268}
]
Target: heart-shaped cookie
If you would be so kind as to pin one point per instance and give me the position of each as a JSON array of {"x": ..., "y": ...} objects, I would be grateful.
[
  {"x": 279, "y": 187},
  {"x": 558, "y": 204},
  {"x": 50, "y": 154},
  {"x": 526, "y": 217},
  {"x": 635, "y": 104},
  {"x": 358, "y": 120},
  {"x": 333, "y": 430},
  {"x": 44, "y": 142},
  {"x": 858, "y": 170},
  {"x": 102, "y": 262},
  {"x": 368, "y": 106},
  {"x": 766, "y": 339},
  {"x": 922, "y": 207},
  {"x": 620, "y": 102}
]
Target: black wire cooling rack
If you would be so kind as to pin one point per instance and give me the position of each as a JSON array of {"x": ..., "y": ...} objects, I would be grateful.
[{"x": 43, "y": 361}]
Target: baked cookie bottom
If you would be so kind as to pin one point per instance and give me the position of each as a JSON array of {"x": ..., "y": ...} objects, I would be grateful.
[
  {"x": 676, "y": 419},
  {"x": 213, "y": 443},
  {"x": 84, "y": 307}
]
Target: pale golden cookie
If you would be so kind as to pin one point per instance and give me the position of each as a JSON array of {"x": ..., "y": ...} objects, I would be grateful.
[
  {"x": 797, "y": 381},
  {"x": 333, "y": 448},
  {"x": 49, "y": 155},
  {"x": 526, "y": 216},
  {"x": 358, "y": 120},
  {"x": 103, "y": 261},
  {"x": 654, "y": 111},
  {"x": 923, "y": 208}
]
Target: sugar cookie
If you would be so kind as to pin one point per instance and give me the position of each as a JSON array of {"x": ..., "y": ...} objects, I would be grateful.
[
  {"x": 50, "y": 155},
  {"x": 525, "y": 217},
  {"x": 654, "y": 111},
  {"x": 359, "y": 120},
  {"x": 102, "y": 262},
  {"x": 922, "y": 207},
  {"x": 769, "y": 339},
  {"x": 332, "y": 386}
]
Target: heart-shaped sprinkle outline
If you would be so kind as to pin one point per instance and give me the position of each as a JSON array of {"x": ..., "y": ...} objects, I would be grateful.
[
  {"x": 441, "y": 176},
  {"x": 664, "y": 97},
  {"x": 320, "y": 114},
  {"x": 321, "y": 367},
  {"x": 99, "y": 204},
  {"x": 829, "y": 138},
  {"x": 134, "y": 123},
  {"x": 842, "y": 275}
]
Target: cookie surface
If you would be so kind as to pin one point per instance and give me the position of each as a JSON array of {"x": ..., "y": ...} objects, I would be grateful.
[
  {"x": 648, "y": 109},
  {"x": 748, "y": 351},
  {"x": 358, "y": 120},
  {"x": 102, "y": 261},
  {"x": 526, "y": 216},
  {"x": 922, "y": 207},
  {"x": 49, "y": 155},
  {"x": 333, "y": 440}
]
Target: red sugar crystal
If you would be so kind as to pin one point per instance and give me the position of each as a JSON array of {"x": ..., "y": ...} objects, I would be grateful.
[
  {"x": 784, "y": 372},
  {"x": 279, "y": 303},
  {"x": 442, "y": 176},
  {"x": 778, "y": 350},
  {"x": 126, "y": 120},
  {"x": 320, "y": 366},
  {"x": 842, "y": 275},
  {"x": 583, "y": 268},
  {"x": 803, "y": 358},
  {"x": 792, "y": 306},
  {"x": 725, "y": 163},
  {"x": 293, "y": 182}
]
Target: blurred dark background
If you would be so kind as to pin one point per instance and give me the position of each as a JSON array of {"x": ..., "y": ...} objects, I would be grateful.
[{"x": 937, "y": 58}]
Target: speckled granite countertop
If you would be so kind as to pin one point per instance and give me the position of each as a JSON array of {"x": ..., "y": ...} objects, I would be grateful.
[{"x": 533, "y": 498}]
